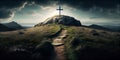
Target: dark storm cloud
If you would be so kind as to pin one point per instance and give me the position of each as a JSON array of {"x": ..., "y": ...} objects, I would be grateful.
[
  {"x": 101, "y": 8},
  {"x": 86, "y": 4},
  {"x": 11, "y": 3},
  {"x": 5, "y": 13},
  {"x": 7, "y": 8},
  {"x": 75, "y": 3},
  {"x": 6, "y": 5},
  {"x": 19, "y": 3}
]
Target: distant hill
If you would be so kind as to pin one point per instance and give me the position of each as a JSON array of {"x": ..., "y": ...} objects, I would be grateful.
[
  {"x": 10, "y": 26},
  {"x": 13, "y": 25},
  {"x": 4, "y": 28},
  {"x": 99, "y": 27},
  {"x": 114, "y": 28},
  {"x": 105, "y": 27}
]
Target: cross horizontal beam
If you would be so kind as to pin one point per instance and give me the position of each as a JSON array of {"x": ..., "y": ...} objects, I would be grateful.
[{"x": 59, "y": 9}]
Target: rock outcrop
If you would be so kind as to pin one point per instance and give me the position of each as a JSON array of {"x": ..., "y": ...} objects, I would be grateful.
[{"x": 65, "y": 20}]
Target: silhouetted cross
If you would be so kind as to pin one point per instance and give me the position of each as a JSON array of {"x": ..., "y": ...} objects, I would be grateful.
[{"x": 59, "y": 9}]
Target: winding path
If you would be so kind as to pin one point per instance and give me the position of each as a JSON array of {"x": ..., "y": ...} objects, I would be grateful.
[{"x": 58, "y": 44}]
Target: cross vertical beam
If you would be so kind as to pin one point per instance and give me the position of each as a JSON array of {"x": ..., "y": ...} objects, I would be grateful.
[{"x": 60, "y": 8}]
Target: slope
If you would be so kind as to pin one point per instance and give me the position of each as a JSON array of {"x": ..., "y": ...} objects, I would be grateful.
[
  {"x": 92, "y": 44},
  {"x": 28, "y": 44},
  {"x": 80, "y": 43}
]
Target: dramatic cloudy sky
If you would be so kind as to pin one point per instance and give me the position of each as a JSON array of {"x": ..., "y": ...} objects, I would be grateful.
[{"x": 30, "y": 12}]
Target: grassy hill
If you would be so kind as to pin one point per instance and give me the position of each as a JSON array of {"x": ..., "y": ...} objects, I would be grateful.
[
  {"x": 81, "y": 43},
  {"x": 31, "y": 41},
  {"x": 85, "y": 44},
  {"x": 37, "y": 34}
]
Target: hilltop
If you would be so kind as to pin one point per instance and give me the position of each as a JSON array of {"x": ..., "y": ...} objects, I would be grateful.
[
  {"x": 80, "y": 42},
  {"x": 62, "y": 19}
]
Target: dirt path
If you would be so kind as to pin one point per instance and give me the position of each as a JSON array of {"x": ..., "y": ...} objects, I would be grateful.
[{"x": 58, "y": 43}]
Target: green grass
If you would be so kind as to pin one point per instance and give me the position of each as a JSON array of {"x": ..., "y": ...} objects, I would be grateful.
[
  {"x": 69, "y": 50},
  {"x": 31, "y": 36},
  {"x": 35, "y": 41},
  {"x": 83, "y": 44}
]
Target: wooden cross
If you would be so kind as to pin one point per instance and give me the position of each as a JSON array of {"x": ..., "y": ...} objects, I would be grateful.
[{"x": 60, "y": 9}]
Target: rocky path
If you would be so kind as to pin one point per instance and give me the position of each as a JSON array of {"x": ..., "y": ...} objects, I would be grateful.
[{"x": 58, "y": 43}]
